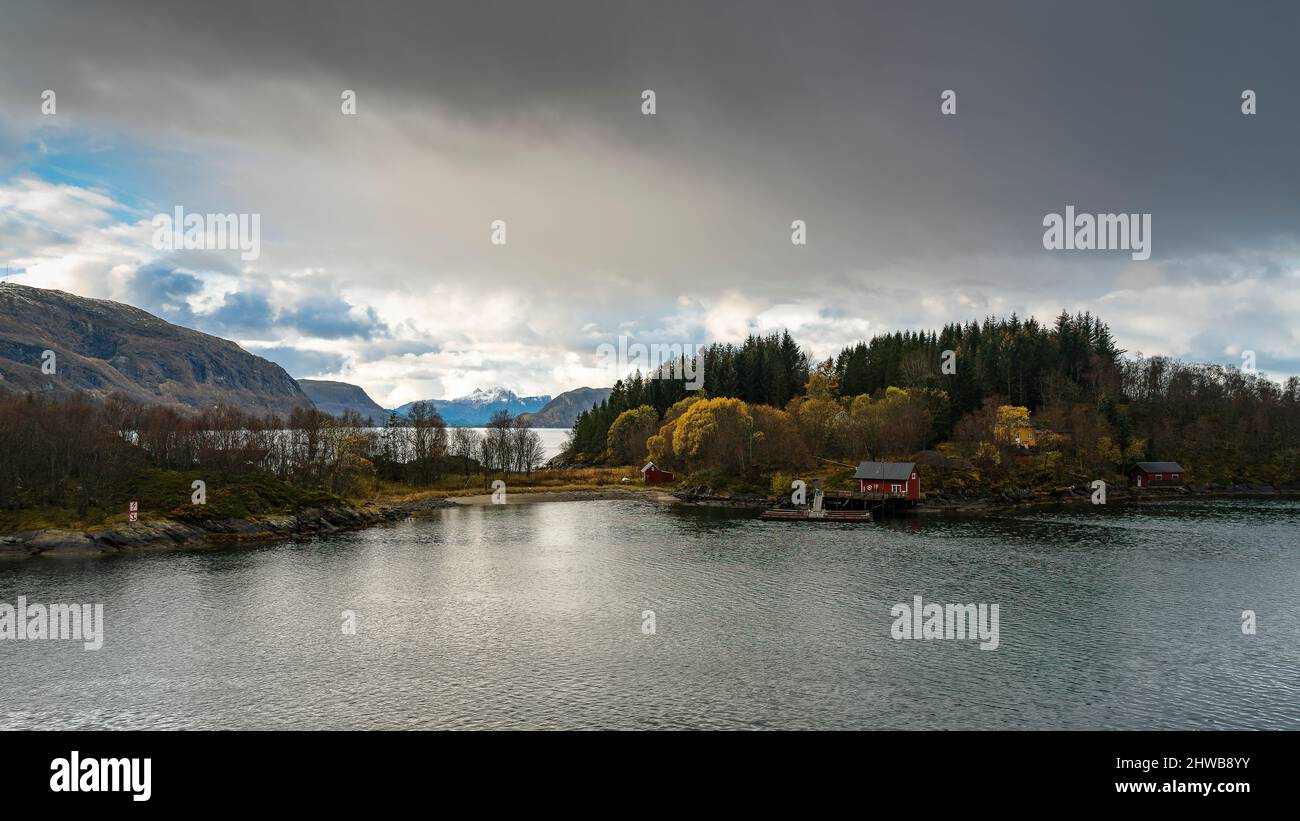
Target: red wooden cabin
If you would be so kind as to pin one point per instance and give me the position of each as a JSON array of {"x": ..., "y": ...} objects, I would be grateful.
[
  {"x": 1157, "y": 474},
  {"x": 652, "y": 475},
  {"x": 899, "y": 479}
]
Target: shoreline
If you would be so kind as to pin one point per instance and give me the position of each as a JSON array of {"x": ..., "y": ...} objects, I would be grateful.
[
  {"x": 1007, "y": 501},
  {"x": 162, "y": 534}
]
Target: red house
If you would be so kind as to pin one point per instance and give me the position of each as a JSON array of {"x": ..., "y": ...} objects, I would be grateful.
[
  {"x": 1157, "y": 474},
  {"x": 652, "y": 475},
  {"x": 892, "y": 478}
]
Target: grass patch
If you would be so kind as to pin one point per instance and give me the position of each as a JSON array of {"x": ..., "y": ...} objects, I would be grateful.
[
  {"x": 166, "y": 494},
  {"x": 255, "y": 494}
]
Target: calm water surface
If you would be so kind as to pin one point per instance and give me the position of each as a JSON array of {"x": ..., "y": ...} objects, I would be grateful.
[
  {"x": 530, "y": 616},
  {"x": 553, "y": 439}
]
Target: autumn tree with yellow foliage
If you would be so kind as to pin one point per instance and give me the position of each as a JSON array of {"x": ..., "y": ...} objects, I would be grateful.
[
  {"x": 728, "y": 435},
  {"x": 626, "y": 440}
]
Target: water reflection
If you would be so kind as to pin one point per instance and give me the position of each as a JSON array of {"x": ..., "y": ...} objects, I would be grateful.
[{"x": 530, "y": 616}]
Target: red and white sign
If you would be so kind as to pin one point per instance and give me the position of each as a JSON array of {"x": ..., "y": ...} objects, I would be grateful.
[{"x": 133, "y": 510}]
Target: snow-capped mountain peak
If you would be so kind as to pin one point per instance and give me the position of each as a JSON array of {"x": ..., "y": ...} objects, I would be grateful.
[
  {"x": 477, "y": 408},
  {"x": 484, "y": 396}
]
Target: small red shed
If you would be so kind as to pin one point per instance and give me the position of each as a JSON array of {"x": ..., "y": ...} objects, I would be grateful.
[
  {"x": 892, "y": 478},
  {"x": 1157, "y": 474},
  {"x": 652, "y": 475}
]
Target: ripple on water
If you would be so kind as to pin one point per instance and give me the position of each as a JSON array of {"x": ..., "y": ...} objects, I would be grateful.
[{"x": 531, "y": 616}]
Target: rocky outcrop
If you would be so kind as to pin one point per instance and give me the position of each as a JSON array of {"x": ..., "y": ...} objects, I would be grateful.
[
  {"x": 1114, "y": 493},
  {"x": 164, "y": 533},
  {"x": 707, "y": 497}
]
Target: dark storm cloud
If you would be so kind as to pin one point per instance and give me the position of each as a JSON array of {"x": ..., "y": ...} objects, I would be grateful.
[
  {"x": 329, "y": 317},
  {"x": 301, "y": 364},
  {"x": 250, "y": 314},
  {"x": 241, "y": 313},
  {"x": 1107, "y": 106},
  {"x": 767, "y": 112},
  {"x": 165, "y": 291}
]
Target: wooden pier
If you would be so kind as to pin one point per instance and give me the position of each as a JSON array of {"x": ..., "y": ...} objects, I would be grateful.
[
  {"x": 805, "y": 515},
  {"x": 837, "y": 506}
]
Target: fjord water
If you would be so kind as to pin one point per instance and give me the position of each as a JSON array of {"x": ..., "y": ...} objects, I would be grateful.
[{"x": 531, "y": 616}]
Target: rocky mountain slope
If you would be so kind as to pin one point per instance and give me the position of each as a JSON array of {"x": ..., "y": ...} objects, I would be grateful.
[
  {"x": 100, "y": 347},
  {"x": 336, "y": 398},
  {"x": 563, "y": 410}
]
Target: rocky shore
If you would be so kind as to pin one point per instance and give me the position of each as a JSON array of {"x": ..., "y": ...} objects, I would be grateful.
[
  {"x": 165, "y": 533},
  {"x": 708, "y": 497},
  {"x": 1114, "y": 493}
]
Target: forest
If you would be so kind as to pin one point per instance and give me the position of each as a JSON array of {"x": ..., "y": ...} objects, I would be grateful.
[
  {"x": 954, "y": 398},
  {"x": 957, "y": 401}
]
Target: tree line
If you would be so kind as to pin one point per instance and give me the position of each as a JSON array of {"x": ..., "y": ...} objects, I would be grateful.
[
  {"x": 958, "y": 390},
  {"x": 85, "y": 453}
]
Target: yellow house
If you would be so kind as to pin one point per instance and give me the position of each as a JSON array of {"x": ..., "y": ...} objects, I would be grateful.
[{"x": 1025, "y": 437}]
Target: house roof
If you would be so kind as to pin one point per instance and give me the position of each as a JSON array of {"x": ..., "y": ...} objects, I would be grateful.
[
  {"x": 884, "y": 470},
  {"x": 1160, "y": 467}
]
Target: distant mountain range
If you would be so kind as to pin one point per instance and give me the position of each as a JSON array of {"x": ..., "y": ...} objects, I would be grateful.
[
  {"x": 336, "y": 398},
  {"x": 476, "y": 409},
  {"x": 101, "y": 347},
  {"x": 563, "y": 410}
]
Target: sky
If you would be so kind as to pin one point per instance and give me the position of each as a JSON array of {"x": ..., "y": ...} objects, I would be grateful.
[{"x": 377, "y": 264}]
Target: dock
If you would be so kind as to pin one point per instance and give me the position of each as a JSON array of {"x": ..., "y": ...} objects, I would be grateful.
[
  {"x": 806, "y": 515},
  {"x": 830, "y": 506}
]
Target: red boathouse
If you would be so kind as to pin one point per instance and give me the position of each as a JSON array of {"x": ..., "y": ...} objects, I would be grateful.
[
  {"x": 1157, "y": 474},
  {"x": 898, "y": 479},
  {"x": 652, "y": 475}
]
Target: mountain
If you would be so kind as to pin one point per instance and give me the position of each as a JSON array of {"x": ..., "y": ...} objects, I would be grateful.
[
  {"x": 563, "y": 410},
  {"x": 102, "y": 347},
  {"x": 335, "y": 398},
  {"x": 476, "y": 409}
]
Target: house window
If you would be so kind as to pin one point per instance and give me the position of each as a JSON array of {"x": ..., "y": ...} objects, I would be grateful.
[
  {"x": 1173, "y": 476},
  {"x": 897, "y": 488},
  {"x": 1159, "y": 476}
]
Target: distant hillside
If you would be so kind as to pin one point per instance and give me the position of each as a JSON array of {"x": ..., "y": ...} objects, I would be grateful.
[
  {"x": 563, "y": 410},
  {"x": 476, "y": 409},
  {"x": 103, "y": 347},
  {"x": 336, "y": 398}
]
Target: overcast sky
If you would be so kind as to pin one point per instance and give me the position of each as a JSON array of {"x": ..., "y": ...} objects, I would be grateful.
[{"x": 376, "y": 264}]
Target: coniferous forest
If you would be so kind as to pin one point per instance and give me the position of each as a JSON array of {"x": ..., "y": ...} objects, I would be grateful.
[{"x": 963, "y": 391}]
